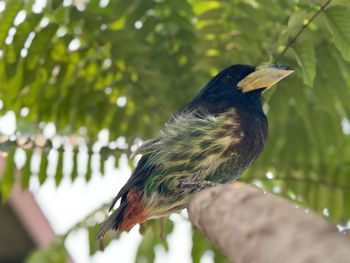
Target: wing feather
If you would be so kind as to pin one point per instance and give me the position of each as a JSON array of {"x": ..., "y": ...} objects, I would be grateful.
[{"x": 142, "y": 171}]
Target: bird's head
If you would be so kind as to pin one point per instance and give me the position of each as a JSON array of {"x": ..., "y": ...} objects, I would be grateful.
[{"x": 240, "y": 84}]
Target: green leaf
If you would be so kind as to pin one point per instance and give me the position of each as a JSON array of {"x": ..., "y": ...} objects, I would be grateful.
[
  {"x": 75, "y": 164},
  {"x": 26, "y": 172},
  {"x": 200, "y": 245},
  {"x": 8, "y": 177},
  {"x": 145, "y": 252},
  {"x": 305, "y": 56},
  {"x": 40, "y": 44},
  {"x": 102, "y": 165},
  {"x": 59, "y": 168},
  {"x": 16, "y": 83},
  {"x": 55, "y": 252},
  {"x": 22, "y": 33},
  {"x": 43, "y": 167},
  {"x": 154, "y": 233},
  {"x": 338, "y": 21},
  {"x": 219, "y": 257},
  {"x": 93, "y": 243},
  {"x": 88, "y": 168},
  {"x": 7, "y": 17},
  {"x": 296, "y": 20}
]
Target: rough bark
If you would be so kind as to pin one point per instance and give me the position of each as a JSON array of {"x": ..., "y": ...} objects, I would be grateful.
[{"x": 249, "y": 225}]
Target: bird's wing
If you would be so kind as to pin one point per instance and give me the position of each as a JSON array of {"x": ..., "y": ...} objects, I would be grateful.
[
  {"x": 144, "y": 147},
  {"x": 143, "y": 169},
  {"x": 185, "y": 136}
]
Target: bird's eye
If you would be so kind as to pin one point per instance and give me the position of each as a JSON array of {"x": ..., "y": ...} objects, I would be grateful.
[{"x": 228, "y": 79}]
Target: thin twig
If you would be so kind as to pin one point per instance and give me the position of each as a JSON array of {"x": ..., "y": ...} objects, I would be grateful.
[{"x": 292, "y": 41}]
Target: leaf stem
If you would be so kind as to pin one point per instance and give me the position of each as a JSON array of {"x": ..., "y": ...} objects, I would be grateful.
[{"x": 292, "y": 41}]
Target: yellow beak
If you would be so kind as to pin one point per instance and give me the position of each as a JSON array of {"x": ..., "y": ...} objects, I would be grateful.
[{"x": 264, "y": 77}]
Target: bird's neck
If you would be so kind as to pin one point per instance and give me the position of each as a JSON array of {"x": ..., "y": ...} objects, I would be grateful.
[
  {"x": 214, "y": 105},
  {"x": 252, "y": 101}
]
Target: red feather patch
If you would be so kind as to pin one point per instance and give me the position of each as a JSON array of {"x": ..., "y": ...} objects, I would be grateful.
[{"x": 134, "y": 212}]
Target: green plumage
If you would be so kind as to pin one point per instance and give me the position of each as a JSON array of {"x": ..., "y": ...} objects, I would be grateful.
[{"x": 190, "y": 149}]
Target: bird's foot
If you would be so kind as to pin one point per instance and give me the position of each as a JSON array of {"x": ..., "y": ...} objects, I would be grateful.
[{"x": 195, "y": 186}]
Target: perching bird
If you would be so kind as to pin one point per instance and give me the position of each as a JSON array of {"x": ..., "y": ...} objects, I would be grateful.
[{"x": 212, "y": 140}]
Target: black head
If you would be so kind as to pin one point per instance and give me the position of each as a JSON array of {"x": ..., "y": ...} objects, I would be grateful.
[{"x": 238, "y": 85}]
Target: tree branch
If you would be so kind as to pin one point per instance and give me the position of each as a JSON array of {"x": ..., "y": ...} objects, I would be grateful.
[
  {"x": 248, "y": 225},
  {"x": 291, "y": 42}
]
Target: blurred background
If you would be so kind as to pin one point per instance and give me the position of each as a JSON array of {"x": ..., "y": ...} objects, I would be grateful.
[{"x": 84, "y": 82}]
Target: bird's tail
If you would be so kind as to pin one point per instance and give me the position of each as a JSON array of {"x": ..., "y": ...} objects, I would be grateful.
[
  {"x": 112, "y": 222},
  {"x": 130, "y": 212}
]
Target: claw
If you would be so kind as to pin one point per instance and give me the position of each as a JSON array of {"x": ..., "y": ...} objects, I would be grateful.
[{"x": 195, "y": 186}]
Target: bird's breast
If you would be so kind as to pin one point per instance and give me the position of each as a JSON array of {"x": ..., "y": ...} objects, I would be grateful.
[
  {"x": 244, "y": 139},
  {"x": 211, "y": 147}
]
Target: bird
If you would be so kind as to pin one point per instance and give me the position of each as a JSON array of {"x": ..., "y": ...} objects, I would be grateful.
[{"x": 212, "y": 140}]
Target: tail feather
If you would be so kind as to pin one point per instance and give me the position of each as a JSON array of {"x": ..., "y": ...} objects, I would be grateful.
[
  {"x": 130, "y": 212},
  {"x": 112, "y": 222}
]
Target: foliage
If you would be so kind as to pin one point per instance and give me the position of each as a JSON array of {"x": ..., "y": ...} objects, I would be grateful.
[
  {"x": 127, "y": 67},
  {"x": 53, "y": 253},
  {"x": 154, "y": 233}
]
